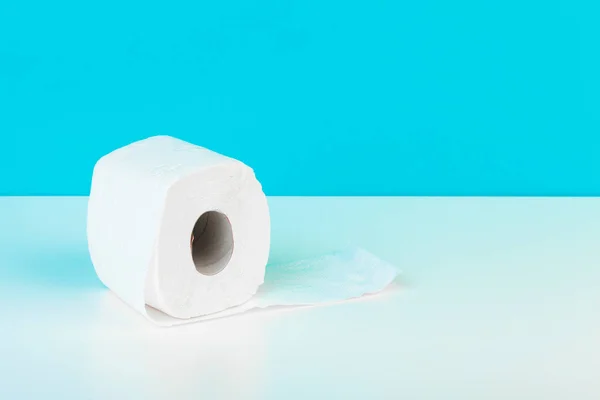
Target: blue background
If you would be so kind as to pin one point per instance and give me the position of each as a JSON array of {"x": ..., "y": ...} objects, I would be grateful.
[{"x": 320, "y": 97}]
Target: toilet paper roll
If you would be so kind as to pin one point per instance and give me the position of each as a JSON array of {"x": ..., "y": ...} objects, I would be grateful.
[{"x": 181, "y": 234}]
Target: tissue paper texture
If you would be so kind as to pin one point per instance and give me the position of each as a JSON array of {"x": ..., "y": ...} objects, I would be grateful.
[{"x": 325, "y": 279}]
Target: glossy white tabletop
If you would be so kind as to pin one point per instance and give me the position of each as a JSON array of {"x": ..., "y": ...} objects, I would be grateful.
[{"x": 499, "y": 299}]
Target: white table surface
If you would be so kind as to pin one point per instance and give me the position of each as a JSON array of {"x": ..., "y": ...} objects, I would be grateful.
[{"x": 500, "y": 299}]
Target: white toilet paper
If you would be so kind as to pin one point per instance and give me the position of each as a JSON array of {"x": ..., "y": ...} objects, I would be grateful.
[{"x": 181, "y": 234}]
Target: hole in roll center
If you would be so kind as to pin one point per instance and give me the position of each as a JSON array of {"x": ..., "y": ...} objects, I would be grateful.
[{"x": 211, "y": 243}]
